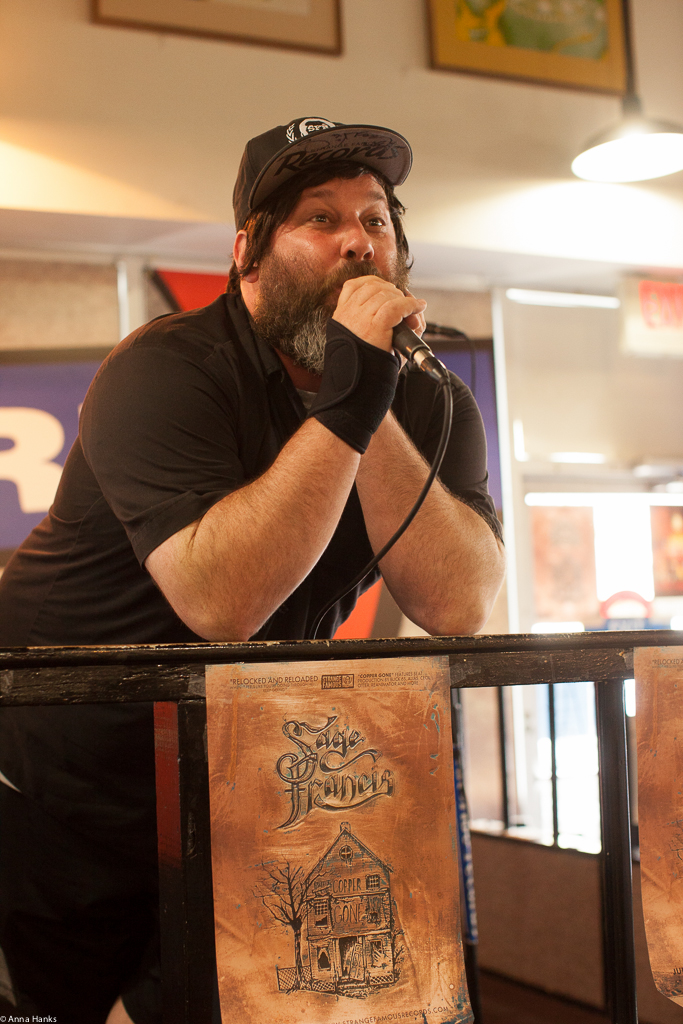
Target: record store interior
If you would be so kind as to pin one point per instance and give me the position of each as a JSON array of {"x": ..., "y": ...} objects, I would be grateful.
[{"x": 554, "y": 290}]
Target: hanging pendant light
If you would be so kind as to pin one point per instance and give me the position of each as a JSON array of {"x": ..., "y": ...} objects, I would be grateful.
[{"x": 638, "y": 148}]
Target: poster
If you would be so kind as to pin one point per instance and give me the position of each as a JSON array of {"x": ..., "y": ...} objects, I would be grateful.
[
  {"x": 659, "y": 722},
  {"x": 334, "y": 845},
  {"x": 667, "y": 550},
  {"x": 565, "y": 588}
]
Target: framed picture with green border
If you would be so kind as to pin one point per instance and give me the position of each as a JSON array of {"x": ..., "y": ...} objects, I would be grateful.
[
  {"x": 295, "y": 24},
  {"x": 574, "y": 43}
]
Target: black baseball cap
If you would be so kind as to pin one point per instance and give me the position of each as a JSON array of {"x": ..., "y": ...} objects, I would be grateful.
[{"x": 281, "y": 153}]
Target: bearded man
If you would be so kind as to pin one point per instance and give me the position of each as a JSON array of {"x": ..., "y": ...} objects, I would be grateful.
[{"x": 236, "y": 467}]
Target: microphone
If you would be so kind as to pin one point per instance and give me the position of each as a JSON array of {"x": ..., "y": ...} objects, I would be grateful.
[{"x": 418, "y": 352}]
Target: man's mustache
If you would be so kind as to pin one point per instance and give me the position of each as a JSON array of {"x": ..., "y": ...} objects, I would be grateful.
[{"x": 346, "y": 272}]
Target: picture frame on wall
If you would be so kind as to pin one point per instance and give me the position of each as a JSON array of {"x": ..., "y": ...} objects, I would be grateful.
[
  {"x": 578, "y": 44},
  {"x": 293, "y": 24}
]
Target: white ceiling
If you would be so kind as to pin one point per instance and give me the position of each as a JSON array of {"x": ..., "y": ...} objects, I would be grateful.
[
  {"x": 206, "y": 245},
  {"x": 139, "y": 134}
]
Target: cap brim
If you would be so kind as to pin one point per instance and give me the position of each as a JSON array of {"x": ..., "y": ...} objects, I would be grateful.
[{"x": 379, "y": 148}]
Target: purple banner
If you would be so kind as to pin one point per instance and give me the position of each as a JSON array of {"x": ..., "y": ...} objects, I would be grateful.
[{"x": 39, "y": 404}]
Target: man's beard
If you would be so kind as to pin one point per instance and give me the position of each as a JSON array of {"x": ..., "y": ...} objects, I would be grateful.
[{"x": 294, "y": 305}]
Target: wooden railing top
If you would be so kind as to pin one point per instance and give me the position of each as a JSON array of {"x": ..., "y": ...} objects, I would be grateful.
[
  {"x": 320, "y": 650},
  {"x": 172, "y": 672}
]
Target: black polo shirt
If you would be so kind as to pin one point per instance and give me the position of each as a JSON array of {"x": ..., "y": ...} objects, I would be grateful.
[{"x": 186, "y": 410}]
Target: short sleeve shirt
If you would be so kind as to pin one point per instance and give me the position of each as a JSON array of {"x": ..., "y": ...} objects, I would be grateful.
[{"x": 188, "y": 409}]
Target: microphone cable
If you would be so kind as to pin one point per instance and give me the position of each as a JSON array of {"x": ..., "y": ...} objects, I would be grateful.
[
  {"x": 445, "y": 388},
  {"x": 455, "y": 337}
]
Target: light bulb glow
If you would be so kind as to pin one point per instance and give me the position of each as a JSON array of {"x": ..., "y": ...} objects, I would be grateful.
[{"x": 637, "y": 156}]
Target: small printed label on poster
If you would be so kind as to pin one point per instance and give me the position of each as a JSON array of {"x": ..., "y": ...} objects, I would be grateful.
[
  {"x": 334, "y": 842},
  {"x": 659, "y": 722}
]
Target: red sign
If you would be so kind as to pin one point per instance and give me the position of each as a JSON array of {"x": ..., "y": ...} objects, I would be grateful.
[{"x": 661, "y": 303}]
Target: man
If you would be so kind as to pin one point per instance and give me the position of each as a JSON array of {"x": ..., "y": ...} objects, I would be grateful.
[{"x": 202, "y": 501}]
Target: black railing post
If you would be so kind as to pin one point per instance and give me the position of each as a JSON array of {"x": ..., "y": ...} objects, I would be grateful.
[
  {"x": 553, "y": 761},
  {"x": 470, "y": 936},
  {"x": 502, "y": 734},
  {"x": 185, "y": 880},
  {"x": 617, "y": 887}
]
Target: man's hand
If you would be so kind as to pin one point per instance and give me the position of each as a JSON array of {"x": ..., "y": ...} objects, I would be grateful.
[
  {"x": 118, "y": 1015},
  {"x": 371, "y": 307},
  {"x": 225, "y": 574}
]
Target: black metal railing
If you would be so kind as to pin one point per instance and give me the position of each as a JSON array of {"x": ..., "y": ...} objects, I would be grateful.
[{"x": 172, "y": 676}]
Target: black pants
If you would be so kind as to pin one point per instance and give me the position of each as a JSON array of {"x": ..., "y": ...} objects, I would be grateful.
[{"x": 78, "y": 919}]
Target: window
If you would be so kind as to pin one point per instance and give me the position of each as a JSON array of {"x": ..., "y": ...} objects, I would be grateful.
[
  {"x": 376, "y": 952},
  {"x": 320, "y": 912},
  {"x": 372, "y": 882},
  {"x": 583, "y": 546},
  {"x": 374, "y": 909},
  {"x": 547, "y": 763},
  {"x": 323, "y": 960},
  {"x": 346, "y": 854}
]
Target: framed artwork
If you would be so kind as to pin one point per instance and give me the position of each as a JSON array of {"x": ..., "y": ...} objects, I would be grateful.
[
  {"x": 573, "y": 43},
  {"x": 296, "y": 24}
]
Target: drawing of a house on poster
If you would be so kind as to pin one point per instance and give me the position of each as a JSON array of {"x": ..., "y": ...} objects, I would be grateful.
[{"x": 349, "y": 928}]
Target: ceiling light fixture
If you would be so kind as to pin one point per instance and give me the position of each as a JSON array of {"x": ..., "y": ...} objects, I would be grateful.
[
  {"x": 580, "y": 458},
  {"x": 638, "y": 148},
  {"x": 528, "y": 297},
  {"x": 610, "y": 499}
]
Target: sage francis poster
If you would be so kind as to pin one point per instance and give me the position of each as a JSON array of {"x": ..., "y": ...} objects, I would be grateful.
[
  {"x": 659, "y": 723},
  {"x": 334, "y": 843}
]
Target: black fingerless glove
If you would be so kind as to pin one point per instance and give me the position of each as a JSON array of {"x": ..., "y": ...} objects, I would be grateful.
[{"x": 357, "y": 388}]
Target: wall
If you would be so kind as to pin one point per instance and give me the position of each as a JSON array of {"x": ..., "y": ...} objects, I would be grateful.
[
  {"x": 57, "y": 304},
  {"x": 468, "y": 311},
  {"x": 575, "y": 391},
  {"x": 95, "y": 119},
  {"x": 539, "y": 923}
]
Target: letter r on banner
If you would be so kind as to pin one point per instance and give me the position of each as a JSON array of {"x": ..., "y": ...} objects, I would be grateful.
[{"x": 38, "y": 437}]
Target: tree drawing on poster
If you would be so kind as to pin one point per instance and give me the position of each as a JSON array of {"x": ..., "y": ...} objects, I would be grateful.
[
  {"x": 344, "y": 911},
  {"x": 284, "y": 892}
]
